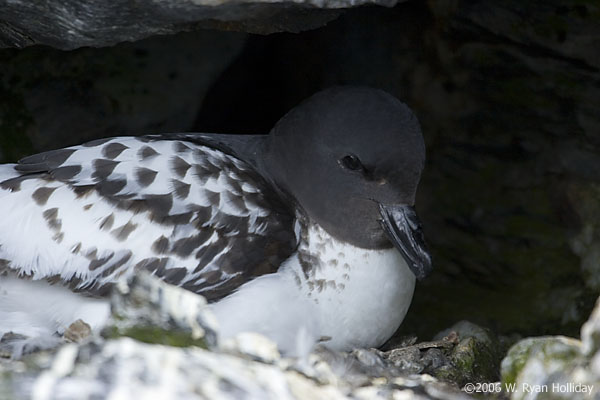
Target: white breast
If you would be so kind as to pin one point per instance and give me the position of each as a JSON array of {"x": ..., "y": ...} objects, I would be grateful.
[{"x": 328, "y": 289}]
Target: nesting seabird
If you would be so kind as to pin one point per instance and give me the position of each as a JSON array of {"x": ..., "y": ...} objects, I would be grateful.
[{"x": 308, "y": 231}]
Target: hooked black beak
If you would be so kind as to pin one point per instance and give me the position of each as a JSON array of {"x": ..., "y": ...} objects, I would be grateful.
[{"x": 403, "y": 228}]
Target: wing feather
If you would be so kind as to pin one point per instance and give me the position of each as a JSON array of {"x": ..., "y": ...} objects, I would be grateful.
[{"x": 194, "y": 215}]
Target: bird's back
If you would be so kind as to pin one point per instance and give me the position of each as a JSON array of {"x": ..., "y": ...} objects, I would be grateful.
[{"x": 87, "y": 215}]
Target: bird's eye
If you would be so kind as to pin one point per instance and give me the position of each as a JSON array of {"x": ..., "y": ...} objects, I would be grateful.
[{"x": 351, "y": 162}]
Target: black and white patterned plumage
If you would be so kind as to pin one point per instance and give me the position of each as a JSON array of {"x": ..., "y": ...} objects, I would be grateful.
[
  {"x": 305, "y": 233},
  {"x": 191, "y": 214}
]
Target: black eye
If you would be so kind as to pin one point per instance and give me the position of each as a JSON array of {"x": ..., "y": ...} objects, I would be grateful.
[{"x": 351, "y": 162}]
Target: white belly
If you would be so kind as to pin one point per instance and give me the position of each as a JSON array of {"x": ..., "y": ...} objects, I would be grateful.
[
  {"x": 36, "y": 308},
  {"x": 356, "y": 297},
  {"x": 361, "y": 304}
]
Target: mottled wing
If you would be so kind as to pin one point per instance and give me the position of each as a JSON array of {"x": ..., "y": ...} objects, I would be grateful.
[{"x": 196, "y": 216}]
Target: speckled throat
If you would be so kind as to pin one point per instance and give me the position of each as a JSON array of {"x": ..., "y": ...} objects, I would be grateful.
[
  {"x": 354, "y": 297},
  {"x": 362, "y": 295}
]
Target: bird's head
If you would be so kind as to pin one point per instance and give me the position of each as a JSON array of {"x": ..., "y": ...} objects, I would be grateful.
[{"x": 352, "y": 158}]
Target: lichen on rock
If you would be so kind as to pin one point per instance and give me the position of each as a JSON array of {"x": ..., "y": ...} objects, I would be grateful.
[
  {"x": 152, "y": 311},
  {"x": 554, "y": 367}
]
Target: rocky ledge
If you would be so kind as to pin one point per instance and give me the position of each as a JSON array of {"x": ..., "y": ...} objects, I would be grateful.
[
  {"x": 162, "y": 341},
  {"x": 68, "y": 24}
]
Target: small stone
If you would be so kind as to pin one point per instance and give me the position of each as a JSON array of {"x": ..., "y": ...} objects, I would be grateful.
[
  {"x": 407, "y": 359},
  {"x": 475, "y": 358},
  {"x": 401, "y": 341},
  {"x": 434, "y": 359},
  {"x": 77, "y": 331},
  {"x": 6, "y": 348}
]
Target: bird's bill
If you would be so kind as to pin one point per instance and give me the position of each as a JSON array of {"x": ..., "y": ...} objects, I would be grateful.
[{"x": 403, "y": 228}]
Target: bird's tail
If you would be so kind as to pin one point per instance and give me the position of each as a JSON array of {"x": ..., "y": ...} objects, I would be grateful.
[{"x": 7, "y": 171}]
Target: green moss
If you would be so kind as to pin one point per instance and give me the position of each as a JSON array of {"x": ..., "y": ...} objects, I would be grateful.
[
  {"x": 6, "y": 386},
  {"x": 464, "y": 354},
  {"x": 515, "y": 360},
  {"x": 449, "y": 374},
  {"x": 156, "y": 335},
  {"x": 557, "y": 350},
  {"x": 118, "y": 317}
]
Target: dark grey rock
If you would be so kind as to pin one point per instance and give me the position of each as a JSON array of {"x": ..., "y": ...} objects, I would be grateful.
[
  {"x": 68, "y": 24},
  {"x": 555, "y": 29},
  {"x": 51, "y": 98}
]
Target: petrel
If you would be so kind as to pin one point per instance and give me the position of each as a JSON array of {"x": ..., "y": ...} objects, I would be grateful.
[{"x": 308, "y": 231}]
